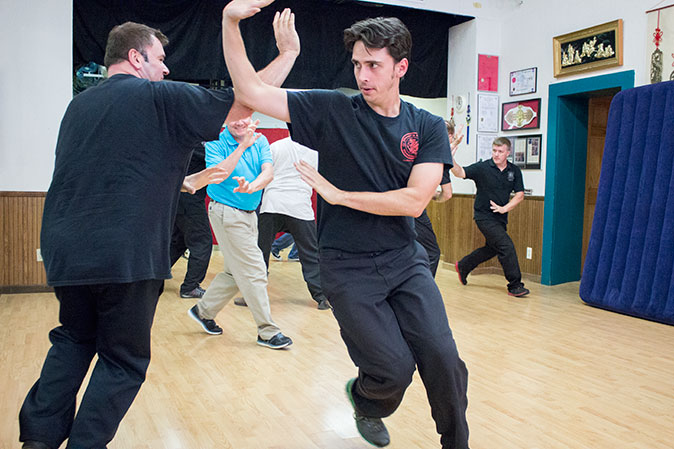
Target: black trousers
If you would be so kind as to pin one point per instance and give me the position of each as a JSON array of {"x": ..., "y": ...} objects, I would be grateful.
[
  {"x": 113, "y": 321},
  {"x": 304, "y": 233},
  {"x": 192, "y": 231},
  {"x": 498, "y": 243},
  {"x": 426, "y": 237},
  {"x": 392, "y": 318}
]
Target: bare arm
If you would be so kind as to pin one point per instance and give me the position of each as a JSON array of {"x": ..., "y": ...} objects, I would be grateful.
[
  {"x": 211, "y": 175},
  {"x": 458, "y": 170},
  {"x": 408, "y": 201},
  {"x": 249, "y": 88},
  {"x": 265, "y": 177},
  {"x": 288, "y": 44},
  {"x": 514, "y": 201}
]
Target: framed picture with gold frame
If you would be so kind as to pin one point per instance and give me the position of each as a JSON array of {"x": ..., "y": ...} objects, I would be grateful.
[{"x": 594, "y": 48}]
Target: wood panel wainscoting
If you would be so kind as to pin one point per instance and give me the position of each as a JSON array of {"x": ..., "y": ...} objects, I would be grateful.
[
  {"x": 458, "y": 235},
  {"x": 20, "y": 223}
]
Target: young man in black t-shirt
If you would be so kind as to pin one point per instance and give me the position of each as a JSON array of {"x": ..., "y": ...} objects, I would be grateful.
[
  {"x": 494, "y": 179},
  {"x": 380, "y": 161},
  {"x": 121, "y": 156}
]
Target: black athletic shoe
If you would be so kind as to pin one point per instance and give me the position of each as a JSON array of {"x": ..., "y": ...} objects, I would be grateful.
[
  {"x": 278, "y": 341},
  {"x": 239, "y": 301},
  {"x": 324, "y": 304},
  {"x": 372, "y": 430},
  {"x": 518, "y": 291},
  {"x": 197, "y": 293},
  {"x": 275, "y": 255},
  {"x": 209, "y": 326},
  {"x": 462, "y": 275}
]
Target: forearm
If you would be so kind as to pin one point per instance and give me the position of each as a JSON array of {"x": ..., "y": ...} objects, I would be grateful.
[
  {"x": 262, "y": 180},
  {"x": 402, "y": 202},
  {"x": 238, "y": 66},
  {"x": 277, "y": 71},
  {"x": 514, "y": 201},
  {"x": 229, "y": 163},
  {"x": 458, "y": 170}
]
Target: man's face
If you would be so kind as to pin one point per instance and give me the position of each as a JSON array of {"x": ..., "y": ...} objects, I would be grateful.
[
  {"x": 377, "y": 74},
  {"x": 238, "y": 128},
  {"x": 500, "y": 153},
  {"x": 154, "y": 68}
]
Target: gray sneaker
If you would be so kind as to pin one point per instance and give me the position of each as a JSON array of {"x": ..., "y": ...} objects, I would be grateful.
[
  {"x": 197, "y": 293},
  {"x": 372, "y": 430}
]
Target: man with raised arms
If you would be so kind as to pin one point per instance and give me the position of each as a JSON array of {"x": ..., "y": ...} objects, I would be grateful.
[{"x": 380, "y": 161}]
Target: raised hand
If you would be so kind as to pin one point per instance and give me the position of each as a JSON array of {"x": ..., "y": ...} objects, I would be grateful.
[
  {"x": 242, "y": 9},
  {"x": 251, "y": 136},
  {"x": 455, "y": 140},
  {"x": 287, "y": 40}
]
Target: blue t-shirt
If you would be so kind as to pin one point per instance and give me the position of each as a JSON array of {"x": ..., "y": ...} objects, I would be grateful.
[
  {"x": 360, "y": 150},
  {"x": 249, "y": 166}
]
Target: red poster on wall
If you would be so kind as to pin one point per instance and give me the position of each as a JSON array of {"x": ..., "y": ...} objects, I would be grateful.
[{"x": 487, "y": 73}]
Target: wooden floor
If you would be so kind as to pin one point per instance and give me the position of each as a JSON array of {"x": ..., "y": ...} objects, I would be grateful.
[{"x": 546, "y": 372}]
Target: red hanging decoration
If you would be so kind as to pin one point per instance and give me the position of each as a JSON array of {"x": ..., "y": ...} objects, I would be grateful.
[{"x": 657, "y": 36}]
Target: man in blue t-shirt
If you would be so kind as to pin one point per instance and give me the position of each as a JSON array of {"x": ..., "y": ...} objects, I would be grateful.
[
  {"x": 494, "y": 180},
  {"x": 234, "y": 222},
  {"x": 380, "y": 161}
]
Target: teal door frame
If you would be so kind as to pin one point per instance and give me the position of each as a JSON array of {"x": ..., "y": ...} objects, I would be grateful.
[{"x": 565, "y": 173}]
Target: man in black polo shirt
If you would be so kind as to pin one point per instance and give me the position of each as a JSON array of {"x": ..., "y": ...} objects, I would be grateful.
[
  {"x": 494, "y": 180},
  {"x": 380, "y": 161}
]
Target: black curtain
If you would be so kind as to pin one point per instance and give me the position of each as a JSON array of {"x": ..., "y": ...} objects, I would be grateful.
[{"x": 195, "y": 49}]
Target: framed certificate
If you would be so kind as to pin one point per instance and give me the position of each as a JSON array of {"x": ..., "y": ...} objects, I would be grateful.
[
  {"x": 487, "y": 113},
  {"x": 523, "y": 81}
]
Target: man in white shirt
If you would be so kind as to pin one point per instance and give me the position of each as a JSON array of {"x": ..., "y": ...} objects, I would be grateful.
[{"x": 286, "y": 207}]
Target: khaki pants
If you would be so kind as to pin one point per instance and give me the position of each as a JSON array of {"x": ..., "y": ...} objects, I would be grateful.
[{"x": 244, "y": 268}]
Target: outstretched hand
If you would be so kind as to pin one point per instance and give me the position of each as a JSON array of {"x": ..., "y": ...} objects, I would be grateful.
[
  {"x": 211, "y": 175},
  {"x": 244, "y": 186},
  {"x": 242, "y": 9},
  {"x": 322, "y": 186},
  {"x": 287, "y": 39}
]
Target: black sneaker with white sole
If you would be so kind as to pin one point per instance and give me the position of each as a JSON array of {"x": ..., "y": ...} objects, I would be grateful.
[
  {"x": 210, "y": 326},
  {"x": 278, "y": 341}
]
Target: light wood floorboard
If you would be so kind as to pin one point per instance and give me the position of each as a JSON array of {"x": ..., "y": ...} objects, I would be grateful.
[{"x": 546, "y": 372}]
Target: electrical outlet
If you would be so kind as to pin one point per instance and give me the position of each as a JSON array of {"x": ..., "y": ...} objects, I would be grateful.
[
  {"x": 529, "y": 252},
  {"x": 39, "y": 255}
]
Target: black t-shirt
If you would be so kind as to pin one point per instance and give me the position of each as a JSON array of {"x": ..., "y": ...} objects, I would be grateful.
[
  {"x": 121, "y": 155},
  {"x": 493, "y": 185},
  {"x": 362, "y": 151}
]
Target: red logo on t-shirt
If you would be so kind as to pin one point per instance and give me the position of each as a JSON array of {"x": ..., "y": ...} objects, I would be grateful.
[{"x": 409, "y": 146}]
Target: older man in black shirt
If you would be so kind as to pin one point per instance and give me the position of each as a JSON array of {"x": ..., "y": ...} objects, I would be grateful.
[{"x": 494, "y": 179}]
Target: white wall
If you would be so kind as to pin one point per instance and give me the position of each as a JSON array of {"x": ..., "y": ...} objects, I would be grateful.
[
  {"x": 35, "y": 88},
  {"x": 520, "y": 32},
  {"x": 36, "y": 50}
]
